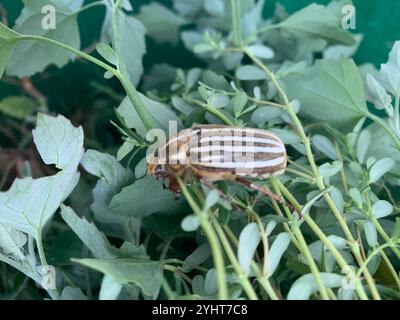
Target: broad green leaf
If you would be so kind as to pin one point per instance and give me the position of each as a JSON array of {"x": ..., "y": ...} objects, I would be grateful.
[
  {"x": 94, "y": 240},
  {"x": 113, "y": 176},
  {"x": 261, "y": 51},
  {"x": 390, "y": 71},
  {"x": 133, "y": 200},
  {"x": 72, "y": 293},
  {"x": 182, "y": 106},
  {"x": 30, "y": 203},
  {"x": 339, "y": 52},
  {"x": 129, "y": 43},
  {"x": 316, "y": 21},
  {"x": 370, "y": 233},
  {"x": 125, "y": 149},
  {"x": 190, "y": 223},
  {"x": 330, "y": 91},
  {"x": 248, "y": 241},
  {"x": 381, "y": 144},
  {"x": 324, "y": 145},
  {"x": 17, "y": 107},
  {"x": 337, "y": 198},
  {"x": 278, "y": 248},
  {"x": 381, "y": 209},
  {"x": 161, "y": 23},
  {"x": 110, "y": 289},
  {"x": 12, "y": 242},
  {"x": 380, "y": 168},
  {"x": 306, "y": 285},
  {"x": 8, "y": 40},
  {"x": 147, "y": 275},
  {"x": 58, "y": 141},
  {"x": 30, "y": 57},
  {"x": 160, "y": 112},
  {"x": 250, "y": 73}
]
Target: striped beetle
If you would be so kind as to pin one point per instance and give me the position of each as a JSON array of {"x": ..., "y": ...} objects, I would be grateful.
[{"x": 214, "y": 152}]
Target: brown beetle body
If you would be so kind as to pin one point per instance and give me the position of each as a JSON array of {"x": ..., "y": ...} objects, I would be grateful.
[{"x": 213, "y": 153}]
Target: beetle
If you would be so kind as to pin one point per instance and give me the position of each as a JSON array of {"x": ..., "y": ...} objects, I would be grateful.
[{"x": 216, "y": 152}]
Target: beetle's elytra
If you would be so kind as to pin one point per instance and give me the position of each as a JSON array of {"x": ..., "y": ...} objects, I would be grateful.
[{"x": 212, "y": 153}]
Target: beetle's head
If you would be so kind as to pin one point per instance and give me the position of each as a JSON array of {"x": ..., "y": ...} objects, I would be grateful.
[{"x": 157, "y": 170}]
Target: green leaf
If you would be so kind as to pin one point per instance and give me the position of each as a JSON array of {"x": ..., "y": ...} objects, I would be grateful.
[
  {"x": 337, "y": 198},
  {"x": 30, "y": 203},
  {"x": 58, "y": 141},
  {"x": 370, "y": 233},
  {"x": 12, "y": 242},
  {"x": 278, "y": 248},
  {"x": 324, "y": 145},
  {"x": 250, "y": 73},
  {"x": 113, "y": 176},
  {"x": 381, "y": 144},
  {"x": 107, "y": 53},
  {"x": 261, "y": 51},
  {"x": 72, "y": 293},
  {"x": 147, "y": 275},
  {"x": 197, "y": 257},
  {"x": 211, "y": 199},
  {"x": 239, "y": 102},
  {"x": 219, "y": 100},
  {"x": 190, "y": 223},
  {"x": 355, "y": 194},
  {"x": 376, "y": 94},
  {"x": 167, "y": 227},
  {"x": 161, "y": 23},
  {"x": 316, "y": 21},
  {"x": 381, "y": 209},
  {"x": 17, "y": 107},
  {"x": 328, "y": 170},
  {"x": 330, "y": 91},
  {"x": 160, "y": 112},
  {"x": 31, "y": 56},
  {"x": 390, "y": 71},
  {"x": 363, "y": 144},
  {"x": 110, "y": 289},
  {"x": 263, "y": 114},
  {"x": 306, "y": 285},
  {"x": 94, "y": 240},
  {"x": 8, "y": 40},
  {"x": 129, "y": 43},
  {"x": 380, "y": 168},
  {"x": 215, "y": 7},
  {"x": 216, "y": 81},
  {"x": 133, "y": 200},
  {"x": 248, "y": 241}
]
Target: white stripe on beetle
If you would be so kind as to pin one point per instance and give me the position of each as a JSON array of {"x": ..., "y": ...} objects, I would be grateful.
[
  {"x": 248, "y": 149},
  {"x": 245, "y": 165}
]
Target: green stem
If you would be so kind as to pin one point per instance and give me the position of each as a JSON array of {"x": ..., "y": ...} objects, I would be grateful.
[
  {"x": 263, "y": 281},
  {"x": 130, "y": 89},
  {"x": 236, "y": 25},
  {"x": 243, "y": 280},
  {"x": 212, "y": 239},
  {"x": 318, "y": 178}
]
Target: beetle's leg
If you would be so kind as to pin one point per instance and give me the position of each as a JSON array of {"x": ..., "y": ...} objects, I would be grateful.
[{"x": 264, "y": 190}]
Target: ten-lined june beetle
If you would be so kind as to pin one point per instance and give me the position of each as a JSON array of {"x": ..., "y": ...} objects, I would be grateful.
[{"x": 214, "y": 152}]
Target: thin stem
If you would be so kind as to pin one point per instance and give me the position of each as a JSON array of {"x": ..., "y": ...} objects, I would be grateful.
[
  {"x": 354, "y": 247},
  {"x": 236, "y": 25},
  {"x": 243, "y": 280},
  {"x": 130, "y": 89},
  {"x": 212, "y": 239},
  {"x": 213, "y": 111}
]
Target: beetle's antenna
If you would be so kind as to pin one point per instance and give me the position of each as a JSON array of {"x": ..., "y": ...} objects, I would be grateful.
[{"x": 264, "y": 190}]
